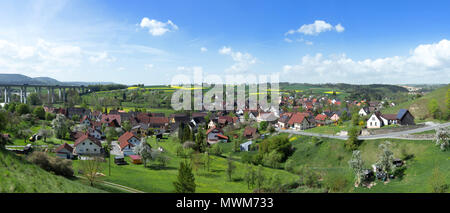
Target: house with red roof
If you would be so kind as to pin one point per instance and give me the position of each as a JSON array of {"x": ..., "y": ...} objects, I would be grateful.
[
  {"x": 64, "y": 151},
  {"x": 127, "y": 142},
  {"x": 87, "y": 145},
  {"x": 250, "y": 132},
  {"x": 215, "y": 135},
  {"x": 300, "y": 121}
]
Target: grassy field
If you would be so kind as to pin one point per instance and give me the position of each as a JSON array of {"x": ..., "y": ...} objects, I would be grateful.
[
  {"x": 161, "y": 180},
  {"x": 329, "y": 157},
  {"x": 331, "y": 129},
  {"x": 419, "y": 107},
  {"x": 18, "y": 175}
]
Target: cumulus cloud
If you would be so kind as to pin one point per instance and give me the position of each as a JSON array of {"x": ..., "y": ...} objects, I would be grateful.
[
  {"x": 427, "y": 63},
  {"x": 203, "y": 49},
  {"x": 157, "y": 28},
  {"x": 102, "y": 56},
  {"x": 242, "y": 60},
  {"x": 319, "y": 26},
  {"x": 41, "y": 57}
]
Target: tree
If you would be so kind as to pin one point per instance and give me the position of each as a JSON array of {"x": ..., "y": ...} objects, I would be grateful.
[
  {"x": 246, "y": 116},
  {"x": 437, "y": 182},
  {"x": 357, "y": 165},
  {"x": 385, "y": 158},
  {"x": 22, "y": 109},
  {"x": 24, "y": 133},
  {"x": 34, "y": 99},
  {"x": 442, "y": 138},
  {"x": 433, "y": 109},
  {"x": 39, "y": 112},
  {"x": 185, "y": 181},
  {"x": 144, "y": 150},
  {"x": 250, "y": 176},
  {"x": 3, "y": 124},
  {"x": 263, "y": 125},
  {"x": 352, "y": 142},
  {"x": 259, "y": 177},
  {"x": 60, "y": 125},
  {"x": 45, "y": 133},
  {"x": 73, "y": 98},
  {"x": 90, "y": 168},
  {"x": 126, "y": 125},
  {"x": 230, "y": 167},
  {"x": 207, "y": 160},
  {"x": 355, "y": 119},
  {"x": 200, "y": 142}
]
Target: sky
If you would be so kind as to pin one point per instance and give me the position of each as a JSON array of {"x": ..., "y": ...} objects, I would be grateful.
[{"x": 149, "y": 42}]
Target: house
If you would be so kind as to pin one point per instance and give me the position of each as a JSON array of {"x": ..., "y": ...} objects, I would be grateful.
[
  {"x": 299, "y": 121},
  {"x": 95, "y": 133},
  {"x": 158, "y": 122},
  {"x": 80, "y": 112},
  {"x": 245, "y": 147},
  {"x": 127, "y": 141},
  {"x": 284, "y": 119},
  {"x": 85, "y": 121},
  {"x": 320, "y": 119},
  {"x": 113, "y": 120},
  {"x": 376, "y": 121},
  {"x": 267, "y": 116},
  {"x": 64, "y": 151},
  {"x": 335, "y": 117},
  {"x": 87, "y": 145},
  {"x": 250, "y": 132},
  {"x": 215, "y": 135},
  {"x": 136, "y": 159},
  {"x": 391, "y": 118},
  {"x": 364, "y": 111},
  {"x": 405, "y": 117}
]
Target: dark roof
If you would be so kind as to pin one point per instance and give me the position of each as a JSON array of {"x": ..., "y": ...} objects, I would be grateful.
[
  {"x": 401, "y": 113},
  {"x": 389, "y": 116}
]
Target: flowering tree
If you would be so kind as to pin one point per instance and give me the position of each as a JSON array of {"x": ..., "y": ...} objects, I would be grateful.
[
  {"x": 357, "y": 164},
  {"x": 442, "y": 138}
]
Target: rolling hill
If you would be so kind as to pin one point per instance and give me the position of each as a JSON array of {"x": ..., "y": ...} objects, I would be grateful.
[
  {"x": 19, "y": 176},
  {"x": 19, "y": 79},
  {"x": 419, "y": 106}
]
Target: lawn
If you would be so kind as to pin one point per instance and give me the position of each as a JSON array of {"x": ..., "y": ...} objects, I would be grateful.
[
  {"x": 161, "y": 180},
  {"x": 329, "y": 156},
  {"x": 18, "y": 175}
]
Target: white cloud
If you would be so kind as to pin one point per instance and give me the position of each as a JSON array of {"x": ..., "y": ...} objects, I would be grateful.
[
  {"x": 339, "y": 28},
  {"x": 102, "y": 56},
  {"x": 149, "y": 66},
  {"x": 319, "y": 26},
  {"x": 203, "y": 49},
  {"x": 242, "y": 60},
  {"x": 157, "y": 28},
  {"x": 427, "y": 64}
]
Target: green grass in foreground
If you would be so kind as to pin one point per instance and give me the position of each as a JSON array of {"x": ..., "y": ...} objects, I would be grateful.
[
  {"x": 330, "y": 157},
  {"x": 161, "y": 180},
  {"x": 18, "y": 175}
]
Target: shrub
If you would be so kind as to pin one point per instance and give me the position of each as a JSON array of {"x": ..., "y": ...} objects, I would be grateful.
[
  {"x": 52, "y": 164},
  {"x": 335, "y": 182}
]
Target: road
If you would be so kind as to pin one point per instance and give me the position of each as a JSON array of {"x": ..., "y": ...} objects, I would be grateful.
[
  {"x": 117, "y": 186},
  {"x": 397, "y": 135}
]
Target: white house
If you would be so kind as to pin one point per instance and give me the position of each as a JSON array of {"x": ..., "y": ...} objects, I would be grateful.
[
  {"x": 95, "y": 133},
  {"x": 363, "y": 111},
  {"x": 376, "y": 121},
  {"x": 64, "y": 151},
  {"x": 87, "y": 145}
]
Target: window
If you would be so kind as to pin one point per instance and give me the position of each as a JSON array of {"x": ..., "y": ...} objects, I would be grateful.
[
  {"x": 90, "y": 143},
  {"x": 87, "y": 150},
  {"x": 83, "y": 143},
  {"x": 95, "y": 150},
  {"x": 371, "y": 124}
]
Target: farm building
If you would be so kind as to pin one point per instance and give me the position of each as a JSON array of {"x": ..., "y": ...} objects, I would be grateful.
[{"x": 64, "y": 151}]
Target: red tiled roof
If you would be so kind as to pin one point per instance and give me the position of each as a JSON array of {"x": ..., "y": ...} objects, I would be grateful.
[
  {"x": 123, "y": 139},
  {"x": 110, "y": 117},
  {"x": 64, "y": 146},
  {"x": 296, "y": 118},
  {"x": 158, "y": 120},
  {"x": 85, "y": 137},
  {"x": 321, "y": 117},
  {"x": 249, "y": 131}
]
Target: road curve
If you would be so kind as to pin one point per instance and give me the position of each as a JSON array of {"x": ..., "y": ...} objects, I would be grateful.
[{"x": 397, "y": 135}]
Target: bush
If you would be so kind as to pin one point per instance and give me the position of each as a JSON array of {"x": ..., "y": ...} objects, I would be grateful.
[
  {"x": 335, "y": 182},
  {"x": 61, "y": 167}
]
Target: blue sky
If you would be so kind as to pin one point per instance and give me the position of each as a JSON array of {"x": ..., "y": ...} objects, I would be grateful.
[{"x": 151, "y": 41}]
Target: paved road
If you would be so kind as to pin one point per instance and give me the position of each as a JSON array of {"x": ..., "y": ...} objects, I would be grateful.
[{"x": 397, "y": 135}]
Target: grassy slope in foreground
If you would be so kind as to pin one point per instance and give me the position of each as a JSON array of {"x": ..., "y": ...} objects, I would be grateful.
[
  {"x": 330, "y": 157},
  {"x": 18, "y": 175},
  {"x": 419, "y": 107}
]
